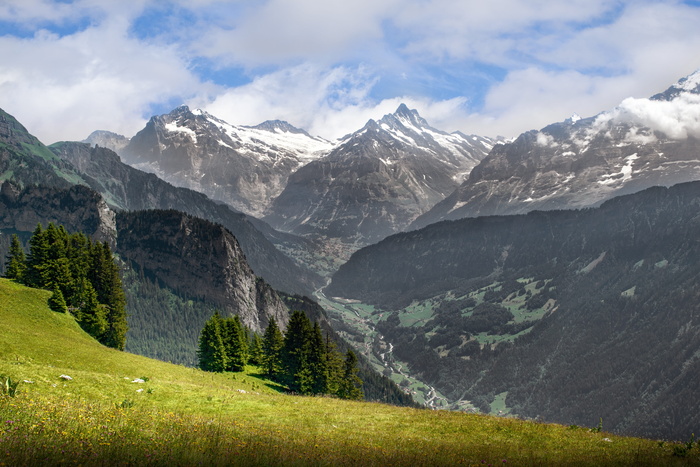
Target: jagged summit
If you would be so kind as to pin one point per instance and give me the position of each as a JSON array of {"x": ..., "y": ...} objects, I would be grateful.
[
  {"x": 642, "y": 142},
  {"x": 689, "y": 84},
  {"x": 376, "y": 180},
  {"x": 245, "y": 167}
]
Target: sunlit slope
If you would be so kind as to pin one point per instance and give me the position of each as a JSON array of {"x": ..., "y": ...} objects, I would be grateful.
[{"x": 183, "y": 416}]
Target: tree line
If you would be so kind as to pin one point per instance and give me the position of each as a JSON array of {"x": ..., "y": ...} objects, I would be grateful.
[
  {"x": 82, "y": 275},
  {"x": 301, "y": 358}
]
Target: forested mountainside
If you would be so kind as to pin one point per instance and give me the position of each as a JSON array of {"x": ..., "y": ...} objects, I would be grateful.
[
  {"x": 568, "y": 315},
  {"x": 582, "y": 162}
]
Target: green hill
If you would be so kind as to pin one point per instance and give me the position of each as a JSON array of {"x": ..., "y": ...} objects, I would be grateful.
[{"x": 182, "y": 416}]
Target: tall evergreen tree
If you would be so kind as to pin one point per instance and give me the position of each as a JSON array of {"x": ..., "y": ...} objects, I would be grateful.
[
  {"x": 235, "y": 341},
  {"x": 315, "y": 364},
  {"x": 336, "y": 365},
  {"x": 110, "y": 292},
  {"x": 91, "y": 315},
  {"x": 350, "y": 384},
  {"x": 15, "y": 266},
  {"x": 255, "y": 350},
  {"x": 295, "y": 348},
  {"x": 38, "y": 257},
  {"x": 211, "y": 352},
  {"x": 273, "y": 343}
]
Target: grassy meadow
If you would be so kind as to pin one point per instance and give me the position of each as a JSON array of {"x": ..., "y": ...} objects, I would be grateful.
[{"x": 123, "y": 409}]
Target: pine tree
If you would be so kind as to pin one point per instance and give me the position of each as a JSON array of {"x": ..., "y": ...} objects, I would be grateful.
[
  {"x": 316, "y": 362},
  {"x": 38, "y": 256},
  {"x": 235, "y": 342},
  {"x": 211, "y": 352},
  {"x": 294, "y": 352},
  {"x": 350, "y": 384},
  {"x": 336, "y": 365},
  {"x": 111, "y": 293},
  {"x": 91, "y": 315},
  {"x": 57, "y": 302},
  {"x": 255, "y": 350},
  {"x": 16, "y": 265},
  {"x": 273, "y": 343}
]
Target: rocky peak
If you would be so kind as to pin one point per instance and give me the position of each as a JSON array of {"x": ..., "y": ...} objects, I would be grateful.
[{"x": 689, "y": 84}]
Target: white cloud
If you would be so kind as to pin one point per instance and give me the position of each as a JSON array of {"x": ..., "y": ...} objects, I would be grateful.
[
  {"x": 677, "y": 119},
  {"x": 66, "y": 87},
  {"x": 288, "y": 31}
]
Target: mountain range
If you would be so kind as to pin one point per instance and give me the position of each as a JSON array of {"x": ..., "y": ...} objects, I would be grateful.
[
  {"x": 552, "y": 276},
  {"x": 582, "y": 162}
]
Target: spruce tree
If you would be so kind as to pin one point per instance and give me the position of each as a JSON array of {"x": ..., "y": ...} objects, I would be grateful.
[
  {"x": 57, "y": 302},
  {"x": 38, "y": 257},
  {"x": 350, "y": 384},
  {"x": 255, "y": 350},
  {"x": 316, "y": 362},
  {"x": 16, "y": 266},
  {"x": 91, "y": 314},
  {"x": 211, "y": 352},
  {"x": 336, "y": 365},
  {"x": 295, "y": 348},
  {"x": 273, "y": 343},
  {"x": 234, "y": 337}
]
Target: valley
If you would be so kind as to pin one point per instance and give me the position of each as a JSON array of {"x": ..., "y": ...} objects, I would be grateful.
[{"x": 552, "y": 276}]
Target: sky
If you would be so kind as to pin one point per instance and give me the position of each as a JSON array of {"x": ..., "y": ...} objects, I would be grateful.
[{"x": 492, "y": 68}]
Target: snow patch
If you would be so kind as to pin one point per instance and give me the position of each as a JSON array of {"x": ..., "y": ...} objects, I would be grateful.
[{"x": 174, "y": 128}]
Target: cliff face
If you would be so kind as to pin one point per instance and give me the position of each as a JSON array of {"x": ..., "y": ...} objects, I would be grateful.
[
  {"x": 198, "y": 259},
  {"x": 127, "y": 188},
  {"x": 78, "y": 208}
]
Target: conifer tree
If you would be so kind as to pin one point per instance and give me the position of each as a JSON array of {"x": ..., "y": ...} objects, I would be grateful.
[
  {"x": 15, "y": 267},
  {"x": 38, "y": 257},
  {"x": 295, "y": 349},
  {"x": 336, "y": 365},
  {"x": 255, "y": 350},
  {"x": 350, "y": 384},
  {"x": 235, "y": 342},
  {"x": 211, "y": 352},
  {"x": 57, "y": 302},
  {"x": 91, "y": 315},
  {"x": 273, "y": 343},
  {"x": 315, "y": 363}
]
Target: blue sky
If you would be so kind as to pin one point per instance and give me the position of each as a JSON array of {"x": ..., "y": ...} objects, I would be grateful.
[{"x": 491, "y": 68}]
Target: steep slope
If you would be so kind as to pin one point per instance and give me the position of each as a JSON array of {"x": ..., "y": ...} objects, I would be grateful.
[
  {"x": 201, "y": 260},
  {"x": 377, "y": 180},
  {"x": 26, "y": 161},
  {"x": 242, "y": 166},
  {"x": 566, "y": 315},
  {"x": 78, "y": 208},
  {"x": 582, "y": 162},
  {"x": 125, "y": 187}
]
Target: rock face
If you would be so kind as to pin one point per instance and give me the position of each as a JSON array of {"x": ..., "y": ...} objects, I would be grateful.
[
  {"x": 575, "y": 315},
  {"x": 78, "y": 209},
  {"x": 127, "y": 188},
  {"x": 243, "y": 166},
  {"x": 107, "y": 139},
  {"x": 582, "y": 162},
  {"x": 377, "y": 180},
  {"x": 200, "y": 260}
]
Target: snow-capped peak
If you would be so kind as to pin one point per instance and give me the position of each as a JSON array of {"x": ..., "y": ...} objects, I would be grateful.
[{"x": 574, "y": 118}]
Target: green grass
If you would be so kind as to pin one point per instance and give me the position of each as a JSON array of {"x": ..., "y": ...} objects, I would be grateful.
[{"x": 182, "y": 416}]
